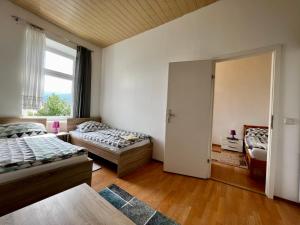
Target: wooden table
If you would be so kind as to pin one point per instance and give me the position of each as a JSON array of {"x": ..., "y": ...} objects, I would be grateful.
[{"x": 76, "y": 206}]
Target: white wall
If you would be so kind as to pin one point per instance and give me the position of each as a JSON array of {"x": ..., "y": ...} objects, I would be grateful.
[
  {"x": 11, "y": 45},
  {"x": 242, "y": 95},
  {"x": 135, "y": 71}
]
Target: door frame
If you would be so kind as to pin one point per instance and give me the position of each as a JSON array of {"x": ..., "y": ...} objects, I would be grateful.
[{"x": 274, "y": 109}]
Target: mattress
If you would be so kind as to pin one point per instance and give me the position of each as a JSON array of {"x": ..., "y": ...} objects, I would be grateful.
[
  {"x": 14, "y": 175},
  {"x": 258, "y": 153},
  {"x": 91, "y": 138},
  {"x": 21, "y": 153}
]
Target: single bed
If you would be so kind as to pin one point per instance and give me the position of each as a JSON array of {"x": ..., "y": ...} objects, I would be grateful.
[
  {"x": 256, "y": 148},
  {"x": 36, "y": 167},
  {"x": 126, "y": 157}
]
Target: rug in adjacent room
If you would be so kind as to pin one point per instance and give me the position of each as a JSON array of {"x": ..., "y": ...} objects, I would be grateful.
[
  {"x": 230, "y": 158},
  {"x": 137, "y": 211}
]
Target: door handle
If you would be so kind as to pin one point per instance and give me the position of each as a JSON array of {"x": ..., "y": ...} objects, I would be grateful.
[{"x": 170, "y": 115}]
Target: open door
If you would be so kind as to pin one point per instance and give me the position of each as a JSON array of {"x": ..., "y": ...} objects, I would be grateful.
[{"x": 189, "y": 118}]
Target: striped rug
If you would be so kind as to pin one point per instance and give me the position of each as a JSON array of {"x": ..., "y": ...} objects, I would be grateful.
[{"x": 137, "y": 211}]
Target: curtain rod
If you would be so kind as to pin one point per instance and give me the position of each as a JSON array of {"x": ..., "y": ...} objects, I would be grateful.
[{"x": 17, "y": 19}]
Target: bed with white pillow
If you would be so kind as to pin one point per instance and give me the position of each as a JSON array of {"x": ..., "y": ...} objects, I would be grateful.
[
  {"x": 128, "y": 150},
  {"x": 256, "y": 141},
  {"x": 256, "y": 148},
  {"x": 35, "y": 165}
]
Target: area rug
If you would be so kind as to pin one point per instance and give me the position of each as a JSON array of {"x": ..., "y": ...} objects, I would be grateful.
[
  {"x": 137, "y": 211},
  {"x": 96, "y": 166},
  {"x": 230, "y": 158}
]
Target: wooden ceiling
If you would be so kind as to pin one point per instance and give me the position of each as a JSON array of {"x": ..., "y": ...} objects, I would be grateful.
[{"x": 105, "y": 22}]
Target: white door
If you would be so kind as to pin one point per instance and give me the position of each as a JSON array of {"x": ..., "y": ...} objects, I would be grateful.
[{"x": 189, "y": 118}]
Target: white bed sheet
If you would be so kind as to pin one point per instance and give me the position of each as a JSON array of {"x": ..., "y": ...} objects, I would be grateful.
[{"x": 257, "y": 153}]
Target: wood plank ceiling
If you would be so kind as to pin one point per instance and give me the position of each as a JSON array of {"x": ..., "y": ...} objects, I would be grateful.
[{"x": 105, "y": 22}]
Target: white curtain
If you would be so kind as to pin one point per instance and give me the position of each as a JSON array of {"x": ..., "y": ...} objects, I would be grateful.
[{"x": 33, "y": 72}]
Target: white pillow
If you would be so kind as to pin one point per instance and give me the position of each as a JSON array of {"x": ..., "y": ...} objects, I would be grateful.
[{"x": 91, "y": 126}]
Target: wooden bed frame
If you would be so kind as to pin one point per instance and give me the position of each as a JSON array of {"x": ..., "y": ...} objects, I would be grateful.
[
  {"x": 257, "y": 167},
  {"x": 126, "y": 162},
  {"x": 29, "y": 189}
]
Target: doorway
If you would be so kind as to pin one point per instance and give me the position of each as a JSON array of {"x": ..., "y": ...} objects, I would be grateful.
[
  {"x": 189, "y": 116},
  {"x": 241, "y": 105}
]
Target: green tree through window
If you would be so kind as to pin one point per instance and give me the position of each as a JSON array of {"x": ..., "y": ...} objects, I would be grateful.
[{"x": 55, "y": 106}]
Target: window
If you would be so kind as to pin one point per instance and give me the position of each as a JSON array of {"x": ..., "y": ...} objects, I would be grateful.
[{"x": 59, "y": 74}]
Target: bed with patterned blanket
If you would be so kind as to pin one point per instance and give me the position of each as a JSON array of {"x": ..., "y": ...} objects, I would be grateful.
[
  {"x": 35, "y": 165},
  {"x": 20, "y": 153},
  {"x": 112, "y": 139},
  {"x": 256, "y": 146},
  {"x": 128, "y": 150},
  {"x": 256, "y": 141}
]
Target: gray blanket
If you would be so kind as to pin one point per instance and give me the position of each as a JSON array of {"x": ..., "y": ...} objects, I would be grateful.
[
  {"x": 257, "y": 138},
  {"x": 18, "y": 153},
  {"x": 112, "y": 137}
]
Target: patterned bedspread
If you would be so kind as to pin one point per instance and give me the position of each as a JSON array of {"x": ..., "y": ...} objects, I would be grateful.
[
  {"x": 19, "y": 153},
  {"x": 257, "y": 138},
  {"x": 112, "y": 137}
]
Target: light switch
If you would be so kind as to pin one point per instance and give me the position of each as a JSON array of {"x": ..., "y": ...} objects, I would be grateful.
[{"x": 290, "y": 121}]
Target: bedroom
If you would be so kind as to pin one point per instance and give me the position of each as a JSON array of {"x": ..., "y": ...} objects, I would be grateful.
[
  {"x": 129, "y": 89},
  {"x": 241, "y": 84}
]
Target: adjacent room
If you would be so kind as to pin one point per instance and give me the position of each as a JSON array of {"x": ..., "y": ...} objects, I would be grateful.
[
  {"x": 149, "y": 112},
  {"x": 241, "y": 114}
]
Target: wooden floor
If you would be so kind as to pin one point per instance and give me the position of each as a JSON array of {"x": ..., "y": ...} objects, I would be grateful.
[
  {"x": 236, "y": 176},
  {"x": 201, "y": 202}
]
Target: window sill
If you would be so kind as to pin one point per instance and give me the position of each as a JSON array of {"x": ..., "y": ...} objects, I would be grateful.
[{"x": 50, "y": 118}]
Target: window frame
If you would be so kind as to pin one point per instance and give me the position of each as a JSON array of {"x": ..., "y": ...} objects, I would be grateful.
[
  {"x": 58, "y": 74},
  {"x": 61, "y": 75}
]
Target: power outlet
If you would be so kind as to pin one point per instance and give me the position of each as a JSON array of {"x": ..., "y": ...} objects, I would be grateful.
[{"x": 290, "y": 121}]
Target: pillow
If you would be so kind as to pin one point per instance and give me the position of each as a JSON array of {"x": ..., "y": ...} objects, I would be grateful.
[
  {"x": 17, "y": 130},
  {"x": 257, "y": 132},
  {"x": 130, "y": 137},
  {"x": 91, "y": 126}
]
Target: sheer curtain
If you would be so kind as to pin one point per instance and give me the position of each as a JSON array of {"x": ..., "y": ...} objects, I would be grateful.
[{"x": 33, "y": 72}]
